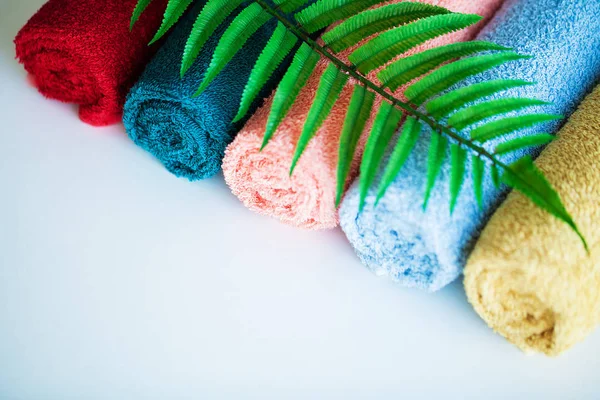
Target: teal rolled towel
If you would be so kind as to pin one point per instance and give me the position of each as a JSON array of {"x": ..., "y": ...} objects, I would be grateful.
[
  {"x": 187, "y": 134},
  {"x": 428, "y": 249}
]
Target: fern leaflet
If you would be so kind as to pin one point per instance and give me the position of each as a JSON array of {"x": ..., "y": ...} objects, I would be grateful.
[
  {"x": 478, "y": 173},
  {"x": 435, "y": 159},
  {"x": 407, "y": 141},
  {"x": 504, "y": 126},
  {"x": 212, "y": 15},
  {"x": 523, "y": 142},
  {"x": 363, "y": 25},
  {"x": 384, "y": 127},
  {"x": 527, "y": 178},
  {"x": 331, "y": 85},
  {"x": 295, "y": 78},
  {"x": 279, "y": 46},
  {"x": 448, "y": 75},
  {"x": 288, "y": 6},
  {"x": 137, "y": 12},
  {"x": 479, "y": 112},
  {"x": 243, "y": 26},
  {"x": 388, "y": 45},
  {"x": 325, "y": 12},
  {"x": 458, "y": 157},
  {"x": 359, "y": 111},
  {"x": 406, "y": 69},
  {"x": 455, "y": 100},
  {"x": 174, "y": 11}
]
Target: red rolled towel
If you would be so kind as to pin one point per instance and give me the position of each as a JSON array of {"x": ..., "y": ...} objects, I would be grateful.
[{"x": 82, "y": 52}]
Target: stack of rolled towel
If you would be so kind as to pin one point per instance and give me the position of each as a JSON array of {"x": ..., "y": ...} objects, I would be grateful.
[
  {"x": 527, "y": 274},
  {"x": 189, "y": 134},
  {"x": 428, "y": 248},
  {"x": 261, "y": 179}
]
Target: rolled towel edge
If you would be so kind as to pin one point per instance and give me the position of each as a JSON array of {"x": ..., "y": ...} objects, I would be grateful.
[
  {"x": 276, "y": 194},
  {"x": 430, "y": 273},
  {"x": 166, "y": 128},
  {"x": 60, "y": 74},
  {"x": 513, "y": 309}
]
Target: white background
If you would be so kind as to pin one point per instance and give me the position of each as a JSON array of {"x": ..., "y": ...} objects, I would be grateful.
[{"x": 120, "y": 281}]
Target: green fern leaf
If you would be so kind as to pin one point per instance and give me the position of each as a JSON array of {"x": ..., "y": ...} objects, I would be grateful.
[
  {"x": 451, "y": 74},
  {"x": 458, "y": 157},
  {"x": 436, "y": 156},
  {"x": 212, "y": 15},
  {"x": 330, "y": 87},
  {"x": 242, "y": 27},
  {"x": 292, "y": 83},
  {"x": 481, "y": 111},
  {"x": 452, "y": 101},
  {"x": 524, "y": 176},
  {"x": 367, "y": 23},
  {"x": 174, "y": 11},
  {"x": 523, "y": 142},
  {"x": 401, "y": 27},
  {"x": 137, "y": 12},
  {"x": 406, "y": 69},
  {"x": 279, "y": 46},
  {"x": 325, "y": 12},
  {"x": 478, "y": 171},
  {"x": 504, "y": 126},
  {"x": 406, "y": 142},
  {"x": 385, "y": 47},
  {"x": 288, "y": 6},
  {"x": 357, "y": 116},
  {"x": 385, "y": 125},
  {"x": 495, "y": 176}
]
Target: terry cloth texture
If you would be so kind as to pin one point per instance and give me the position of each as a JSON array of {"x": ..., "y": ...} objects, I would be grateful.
[
  {"x": 189, "y": 134},
  {"x": 428, "y": 249},
  {"x": 260, "y": 179},
  {"x": 82, "y": 52},
  {"x": 529, "y": 276}
]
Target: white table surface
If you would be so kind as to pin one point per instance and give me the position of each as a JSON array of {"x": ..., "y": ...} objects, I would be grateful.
[{"x": 120, "y": 281}]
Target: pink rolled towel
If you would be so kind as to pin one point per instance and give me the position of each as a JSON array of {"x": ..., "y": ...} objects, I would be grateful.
[{"x": 307, "y": 199}]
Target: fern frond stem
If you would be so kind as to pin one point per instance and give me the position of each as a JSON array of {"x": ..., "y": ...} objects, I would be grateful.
[{"x": 297, "y": 30}]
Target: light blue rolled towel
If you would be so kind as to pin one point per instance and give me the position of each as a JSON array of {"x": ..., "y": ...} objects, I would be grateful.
[
  {"x": 428, "y": 249},
  {"x": 189, "y": 134}
]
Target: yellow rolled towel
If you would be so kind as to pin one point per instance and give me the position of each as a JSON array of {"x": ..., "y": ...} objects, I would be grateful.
[{"x": 529, "y": 276}]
